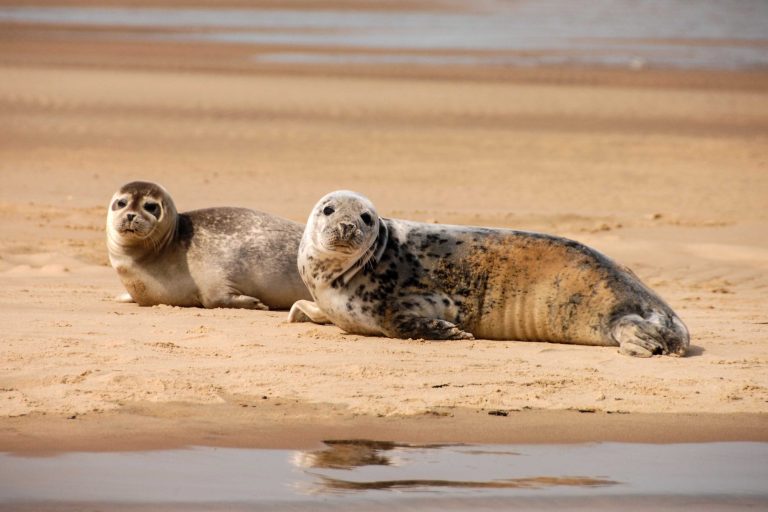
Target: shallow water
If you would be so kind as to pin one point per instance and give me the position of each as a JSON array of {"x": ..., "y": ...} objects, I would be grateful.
[
  {"x": 634, "y": 33},
  {"x": 348, "y": 475}
]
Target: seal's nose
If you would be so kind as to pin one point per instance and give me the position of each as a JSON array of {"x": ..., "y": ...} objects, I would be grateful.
[
  {"x": 130, "y": 216},
  {"x": 347, "y": 229}
]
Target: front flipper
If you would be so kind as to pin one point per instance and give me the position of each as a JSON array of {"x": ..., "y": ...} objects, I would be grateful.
[
  {"x": 307, "y": 311},
  {"x": 410, "y": 326},
  {"x": 125, "y": 298},
  {"x": 237, "y": 302}
]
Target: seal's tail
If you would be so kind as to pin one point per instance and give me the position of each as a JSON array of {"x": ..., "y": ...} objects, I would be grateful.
[{"x": 660, "y": 332}]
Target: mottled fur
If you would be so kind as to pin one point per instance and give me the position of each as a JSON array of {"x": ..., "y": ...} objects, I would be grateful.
[
  {"x": 216, "y": 257},
  {"x": 411, "y": 280}
]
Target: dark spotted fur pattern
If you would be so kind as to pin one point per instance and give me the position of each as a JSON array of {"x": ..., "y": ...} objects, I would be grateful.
[{"x": 414, "y": 280}]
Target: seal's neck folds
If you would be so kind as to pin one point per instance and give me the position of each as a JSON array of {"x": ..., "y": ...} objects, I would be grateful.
[{"x": 371, "y": 256}]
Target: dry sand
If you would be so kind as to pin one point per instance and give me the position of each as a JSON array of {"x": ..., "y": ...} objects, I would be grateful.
[{"x": 666, "y": 172}]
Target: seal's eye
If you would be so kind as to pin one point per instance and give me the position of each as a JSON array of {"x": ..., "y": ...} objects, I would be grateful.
[
  {"x": 120, "y": 203},
  {"x": 366, "y": 218},
  {"x": 328, "y": 210},
  {"x": 152, "y": 208}
]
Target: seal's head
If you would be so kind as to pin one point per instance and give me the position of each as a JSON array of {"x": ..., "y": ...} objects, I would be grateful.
[
  {"x": 140, "y": 214},
  {"x": 343, "y": 222},
  {"x": 343, "y": 234}
]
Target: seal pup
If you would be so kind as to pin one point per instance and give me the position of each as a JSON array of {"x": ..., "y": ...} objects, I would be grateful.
[
  {"x": 403, "y": 279},
  {"x": 214, "y": 258}
]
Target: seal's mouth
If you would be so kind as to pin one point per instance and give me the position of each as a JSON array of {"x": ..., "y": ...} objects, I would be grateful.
[
  {"x": 129, "y": 227},
  {"x": 342, "y": 246},
  {"x": 132, "y": 229}
]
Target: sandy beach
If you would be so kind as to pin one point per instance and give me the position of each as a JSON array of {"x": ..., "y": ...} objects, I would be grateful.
[{"x": 665, "y": 171}]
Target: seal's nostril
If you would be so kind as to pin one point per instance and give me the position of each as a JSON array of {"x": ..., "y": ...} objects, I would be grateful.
[
  {"x": 131, "y": 216},
  {"x": 347, "y": 228}
]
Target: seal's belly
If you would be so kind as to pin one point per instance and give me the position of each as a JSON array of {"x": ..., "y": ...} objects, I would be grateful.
[
  {"x": 523, "y": 287},
  {"x": 561, "y": 307}
]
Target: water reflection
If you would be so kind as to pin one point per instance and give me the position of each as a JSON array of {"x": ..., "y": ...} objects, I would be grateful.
[
  {"x": 349, "y": 454},
  {"x": 376, "y": 475},
  {"x": 512, "y": 483},
  {"x": 353, "y": 453}
]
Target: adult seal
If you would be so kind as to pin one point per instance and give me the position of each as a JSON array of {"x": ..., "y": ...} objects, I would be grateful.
[
  {"x": 212, "y": 258},
  {"x": 402, "y": 279}
]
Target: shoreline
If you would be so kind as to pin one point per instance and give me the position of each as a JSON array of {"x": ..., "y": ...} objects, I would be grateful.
[
  {"x": 32, "y": 46},
  {"x": 294, "y": 425}
]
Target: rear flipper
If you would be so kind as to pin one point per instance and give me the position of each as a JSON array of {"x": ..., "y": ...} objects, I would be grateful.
[
  {"x": 307, "y": 311},
  {"x": 645, "y": 337}
]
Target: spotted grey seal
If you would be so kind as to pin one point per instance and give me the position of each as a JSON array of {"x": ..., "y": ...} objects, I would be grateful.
[
  {"x": 216, "y": 257},
  {"x": 403, "y": 279}
]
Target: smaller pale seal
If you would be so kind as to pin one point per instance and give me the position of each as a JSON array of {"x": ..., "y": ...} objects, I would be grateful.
[
  {"x": 402, "y": 279},
  {"x": 212, "y": 258}
]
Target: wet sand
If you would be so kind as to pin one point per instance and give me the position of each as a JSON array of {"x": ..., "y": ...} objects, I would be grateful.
[
  {"x": 295, "y": 425},
  {"x": 663, "y": 170}
]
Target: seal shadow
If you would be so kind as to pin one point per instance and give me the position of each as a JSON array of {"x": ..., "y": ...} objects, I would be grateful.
[{"x": 694, "y": 351}]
